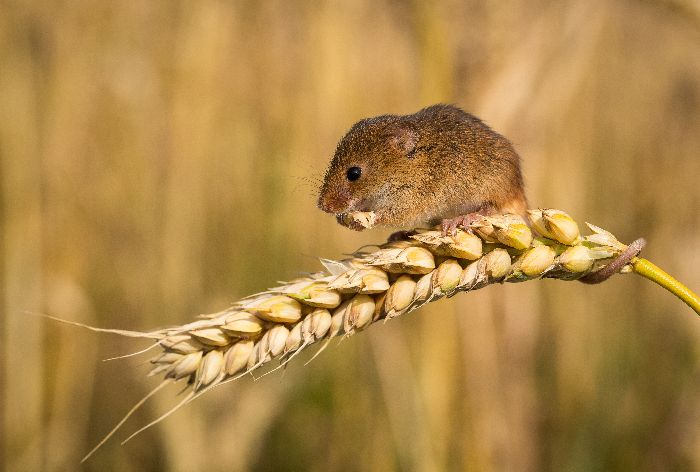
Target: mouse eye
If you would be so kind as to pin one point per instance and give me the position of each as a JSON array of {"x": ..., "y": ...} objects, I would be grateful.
[{"x": 353, "y": 173}]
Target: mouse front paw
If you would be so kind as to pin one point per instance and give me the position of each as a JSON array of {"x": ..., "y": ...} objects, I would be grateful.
[{"x": 400, "y": 236}]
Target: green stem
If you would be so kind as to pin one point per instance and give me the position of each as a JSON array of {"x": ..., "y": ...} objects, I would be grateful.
[{"x": 654, "y": 273}]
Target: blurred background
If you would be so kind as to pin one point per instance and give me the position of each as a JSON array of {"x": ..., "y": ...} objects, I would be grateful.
[{"x": 161, "y": 159}]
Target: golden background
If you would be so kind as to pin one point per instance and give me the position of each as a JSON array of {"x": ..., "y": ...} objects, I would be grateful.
[{"x": 161, "y": 159}]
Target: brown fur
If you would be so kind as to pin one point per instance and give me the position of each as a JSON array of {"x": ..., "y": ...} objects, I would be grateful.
[{"x": 420, "y": 169}]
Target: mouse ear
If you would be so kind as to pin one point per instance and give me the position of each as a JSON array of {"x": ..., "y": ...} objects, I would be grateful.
[{"x": 404, "y": 139}]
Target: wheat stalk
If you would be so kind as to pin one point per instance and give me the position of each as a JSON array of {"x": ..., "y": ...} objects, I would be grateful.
[{"x": 397, "y": 278}]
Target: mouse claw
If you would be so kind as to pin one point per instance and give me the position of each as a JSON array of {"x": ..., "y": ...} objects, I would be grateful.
[{"x": 449, "y": 226}]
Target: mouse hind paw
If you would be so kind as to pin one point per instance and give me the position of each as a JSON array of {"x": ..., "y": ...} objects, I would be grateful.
[{"x": 449, "y": 225}]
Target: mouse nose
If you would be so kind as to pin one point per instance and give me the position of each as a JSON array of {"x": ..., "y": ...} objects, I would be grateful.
[{"x": 332, "y": 203}]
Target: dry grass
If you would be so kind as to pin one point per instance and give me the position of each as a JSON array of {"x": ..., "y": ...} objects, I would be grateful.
[{"x": 161, "y": 159}]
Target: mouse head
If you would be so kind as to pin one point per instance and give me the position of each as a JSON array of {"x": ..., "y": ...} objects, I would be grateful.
[{"x": 371, "y": 167}]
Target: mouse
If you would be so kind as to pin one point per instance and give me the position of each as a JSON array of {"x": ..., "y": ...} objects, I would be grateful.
[{"x": 439, "y": 166}]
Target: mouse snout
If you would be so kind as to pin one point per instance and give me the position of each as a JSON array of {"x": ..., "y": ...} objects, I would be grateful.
[{"x": 333, "y": 202}]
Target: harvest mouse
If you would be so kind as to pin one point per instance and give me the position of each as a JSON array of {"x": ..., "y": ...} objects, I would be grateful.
[{"x": 440, "y": 165}]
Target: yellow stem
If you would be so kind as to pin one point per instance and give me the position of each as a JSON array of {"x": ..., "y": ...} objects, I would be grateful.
[{"x": 654, "y": 273}]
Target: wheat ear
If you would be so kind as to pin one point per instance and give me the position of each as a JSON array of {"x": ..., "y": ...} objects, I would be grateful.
[{"x": 396, "y": 278}]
